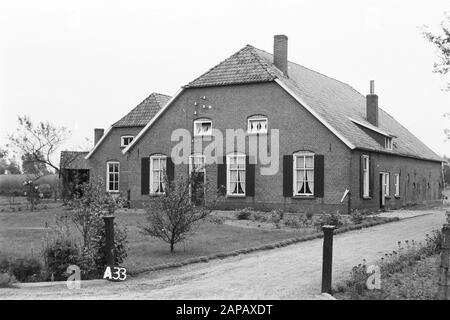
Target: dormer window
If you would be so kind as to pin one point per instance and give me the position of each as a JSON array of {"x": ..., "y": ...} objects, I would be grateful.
[
  {"x": 388, "y": 143},
  {"x": 125, "y": 140},
  {"x": 202, "y": 127},
  {"x": 257, "y": 125}
]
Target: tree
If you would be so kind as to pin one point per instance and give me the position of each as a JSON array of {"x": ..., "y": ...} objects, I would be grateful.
[
  {"x": 442, "y": 43},
  {"x": 39, "y": 142},
  {"x": 173, "y": 217},
  {"x": 30, "y": 166}
]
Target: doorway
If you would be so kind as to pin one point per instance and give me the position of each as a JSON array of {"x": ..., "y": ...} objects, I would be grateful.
[
  {"x": 197, "y": 171},
  {"x": 384, "y": 188}
]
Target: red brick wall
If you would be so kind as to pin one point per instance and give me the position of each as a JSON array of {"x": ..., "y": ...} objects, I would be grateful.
[{"x": 231, "y": 106}]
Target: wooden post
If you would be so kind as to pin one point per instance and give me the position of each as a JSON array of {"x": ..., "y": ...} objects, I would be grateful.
[
  {"x": 349, "y": 207},
  {"x": 109, "y": 241},
  {"x": 327, "y": 262},
  {"x": 444, "y": 281}
]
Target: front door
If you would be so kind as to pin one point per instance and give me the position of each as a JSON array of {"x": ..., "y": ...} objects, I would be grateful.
[
  {"x": 197, "y": 171},
  {"x": 383, "y": 188}
]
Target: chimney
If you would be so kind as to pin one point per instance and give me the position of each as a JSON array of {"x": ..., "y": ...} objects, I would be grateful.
[
  {"x": 372, "y": 105},
  {"x": 98, "y": 134},
  {"x": 280, "y": 48}
]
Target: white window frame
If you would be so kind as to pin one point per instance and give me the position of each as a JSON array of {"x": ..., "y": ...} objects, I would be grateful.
[
  {"x": 397, "y": 185},
  {"x": 161, "y": 171},
  {"x": 294, "y": 175},
  {"x": 108, "y": 163},
  {"x": 122, "y": 140},
  {"x": 200, "y": 122},
  {"x": 259, "y": 118},
  {"x": 366, "y": 176},
  {"x": 386, "y": 183},
  {"x": 388, "y": 143},
  {"x": 236, "y": 155}
]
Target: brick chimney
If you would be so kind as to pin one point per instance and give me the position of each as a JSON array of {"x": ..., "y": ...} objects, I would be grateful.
[
  {"x": 372, "y": 105},
  {"x": 98, "y": 134},
  {"x": 280, "y": 48}
]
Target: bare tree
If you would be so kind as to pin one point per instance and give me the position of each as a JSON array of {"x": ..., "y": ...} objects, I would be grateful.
[
  {"x": 174, "y": 216},
  {"x": 38, "y": 142}
]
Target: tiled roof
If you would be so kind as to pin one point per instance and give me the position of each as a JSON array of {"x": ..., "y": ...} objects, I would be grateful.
[
  {"x": 143, "y": 112},
  {"x": 73, "y": 160},
  {"x": 334, "y": 101}
]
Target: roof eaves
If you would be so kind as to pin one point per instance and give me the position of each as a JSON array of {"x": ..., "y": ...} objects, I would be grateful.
[{"x": 98, "y": 143}]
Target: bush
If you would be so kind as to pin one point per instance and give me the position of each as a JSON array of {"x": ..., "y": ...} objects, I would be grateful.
[
  {"x": 294, "y": 222},
  {"x": 46, "y": 190},
  {"x": 6, "y": 280},
  {"x": 244, "y": 214},
  {"x": 357, "y": 217},
  {"x": 24, "y": 269},
  {"x": 59, "y": 253},
  {"x": 309, "y": 215}
]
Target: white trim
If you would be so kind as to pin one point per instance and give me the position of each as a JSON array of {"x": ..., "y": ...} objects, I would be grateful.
[
  {"x": 124, "y": 137},
  {"x": 152, "y": 121},
  {"x": 388, "y": 144},
  {"x": 153, "y": 157},
  {"x": 236, "y": 154},
  {"x": 385, "y": 183},
  {"x": 397, "y": 184},
  {"x": 366, "y": 176},
  {"x": 201, "y": 121},
  {"x": 294, "y": 173},
  {"x": 98, "y": 143},
  {"x": 108, "y": 173},
  {"x": 258, "y": 118},
  {"x": 315, "y": 114},
  {"x": 371, "y": 127}
]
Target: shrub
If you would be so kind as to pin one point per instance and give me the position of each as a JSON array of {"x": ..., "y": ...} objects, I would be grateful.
[
  {"x": 6, "y": 280},
  {"x": 294, "y": 222},
  {"x": 216, "y": 219},
  {"x": 59, "y": 253},
  {"x": 357, "y": 217},
  {"x": 46, "y": 190},
  {"x": 309, "y": 215},
  {"x": 25, "y": 269},
  {"x": 244, "y": 214}
]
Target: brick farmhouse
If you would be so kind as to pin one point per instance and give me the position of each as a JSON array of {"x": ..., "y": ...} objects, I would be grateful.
[{"x": 324, "y": 136}]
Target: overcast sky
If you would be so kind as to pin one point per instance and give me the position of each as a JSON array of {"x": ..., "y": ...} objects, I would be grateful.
[{"x": 85, "y": 64}]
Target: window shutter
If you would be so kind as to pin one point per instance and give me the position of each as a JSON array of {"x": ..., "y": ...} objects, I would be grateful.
[
  {"x": 222, "y": 175},
  {"x": 170, "y": 169},
  {"x": 371, "y": 177},
  {"x": 249, "y": 177},
  {"x": 287, "y": 176},
  {"x": 319, "y": 175},
  {"x": 145, "y": 175},
  {"x": 361, "y": 176}
]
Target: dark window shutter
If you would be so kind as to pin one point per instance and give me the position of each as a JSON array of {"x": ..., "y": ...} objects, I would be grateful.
[
  {"x": 371, "y": 177},
  {"x": 222, "y": 175},
  {"x": 319, "y": 175},
  {"x": 249, "y": 177},
  {"x": 170, "y": 169},
  {"x": 287, "y": 176},
  {"x": 361, "y": 176},
  {"x": 145, "y": 175}
]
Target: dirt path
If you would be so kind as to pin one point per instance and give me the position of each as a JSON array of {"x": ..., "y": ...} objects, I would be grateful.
[{"x": 292, "y": 272}]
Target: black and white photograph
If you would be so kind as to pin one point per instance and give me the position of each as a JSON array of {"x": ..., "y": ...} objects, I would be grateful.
[{"x": 224, "y": 156}]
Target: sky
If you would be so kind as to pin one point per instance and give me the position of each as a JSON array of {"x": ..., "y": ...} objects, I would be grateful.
[{"x": 85, "y": 64}]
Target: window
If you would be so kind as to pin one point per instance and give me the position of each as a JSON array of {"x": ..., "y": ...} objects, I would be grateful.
[
  {"x": 303, "y": 174},
  {"x": 257, "y": 125},
  {"x": 388, "y": 143},
  {"x": 112, "y": 176},
  {"x": 125, "y": 140},
  {"x": 197, "y": 163},
  {"x": 397, "y": 185},
  {"x": 236, "y": 175},
  {"x": 202, "y": 127},
  {"x": 157, "y": 171},
  {"x": 366, "y": 176}
]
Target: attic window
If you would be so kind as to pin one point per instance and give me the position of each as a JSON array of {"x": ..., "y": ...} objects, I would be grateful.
[
  {"x": 257, "y": 125},
  {"x": 388, "y": 143},
  {"x": 202, "y": 127},
  {"x": 125, "y": 140}
]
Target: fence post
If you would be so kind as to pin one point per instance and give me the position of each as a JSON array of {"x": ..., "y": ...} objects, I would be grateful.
[
  {"x": 444, "y": 283},
  {"x": 109, "y": 241},
  {"x": 327, "y": 261}
]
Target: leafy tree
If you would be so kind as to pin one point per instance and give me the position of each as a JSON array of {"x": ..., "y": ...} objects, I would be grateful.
[{"x": 174, "y": 216}]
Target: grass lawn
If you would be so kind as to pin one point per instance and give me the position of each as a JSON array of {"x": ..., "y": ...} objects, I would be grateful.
[{"x": 21, "y": 234}]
